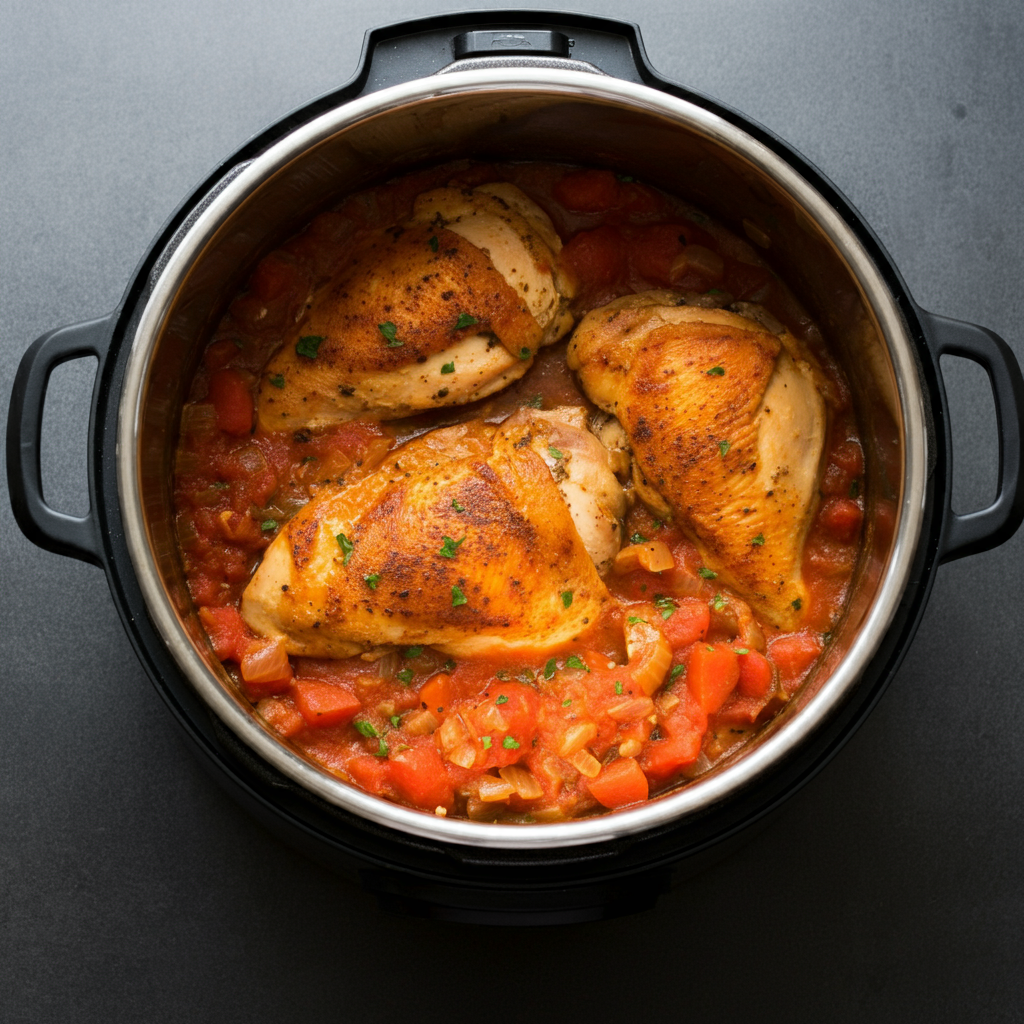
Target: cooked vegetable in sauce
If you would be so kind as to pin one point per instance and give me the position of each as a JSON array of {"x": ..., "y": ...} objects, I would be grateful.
[{"x": 517, "y": 492}]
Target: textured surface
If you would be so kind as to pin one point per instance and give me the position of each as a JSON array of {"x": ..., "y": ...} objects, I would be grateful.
[{"x": 892, "y": 888}]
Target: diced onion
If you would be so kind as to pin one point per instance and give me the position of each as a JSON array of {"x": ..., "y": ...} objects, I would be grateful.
[
  {"x": 576, "y": 737},
  {"x": 488, "y": 718},
  {"x": 525, "y": 785},
  {"x": 630, "y": 747},
  {"x": 421, "y": 723},
  {"x": 700, "y": 258},
  {"x": 492, "y": 790},
  {"x": 650, "y": 655},
  {"x": 266, "y": 661},
  {"x": 667, "y": 702},
  {"x": 453, "y": 733},
  {"x": 463, "y": 755},
  {"x": 654, "y": 556},
  {"x": 629, "y": 710},
  {"x": 586, "y": 764}
]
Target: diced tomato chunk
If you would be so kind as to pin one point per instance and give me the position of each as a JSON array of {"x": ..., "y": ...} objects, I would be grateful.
[
  {"x": 420, "y": 777},
  {"x": 596, "y": 258},
  {"x": 232, "y": 401},
  {"x": 756, "y": 675},
  {"x": 688, "y": 623},
  {"x": 369, "y": 772},
  {"x": 682, "y": 732},
  {"x": 739, "y": 710},
  {"x": 281, "y": 714},
  {"x": 324, "y": 703},
  {"x": 620, "y": 783},
  {"x": 793, "y": 656},
  {"x": 712, "y": 672},
  {"x": 841, "y": 517},
  {"x": 437, "y": 693},
  {"x": 227, "y": 631}
]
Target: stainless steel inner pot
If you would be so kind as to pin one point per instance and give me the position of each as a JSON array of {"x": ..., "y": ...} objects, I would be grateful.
[{"x": 555, "y": 112}]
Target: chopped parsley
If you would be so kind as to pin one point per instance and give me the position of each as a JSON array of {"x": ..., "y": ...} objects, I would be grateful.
[
  {"x": 308, "y": 345},
  {"x": 268, "y": 524},
  {"x": 510, "y": 744},
  {"x": 618, "y": 688},
  {"x": 554, "y": 452},
  {"x": 549, "y": 668},
  {"x": 413, "y": 652},
  {"x": 458, "y": 597},
  {"x": 719, "y": 603},
  {"x": 707, "y": 574},
  {"x": 625, "y": 178},
  {"x": 573, "y": 662},
  {"x": 448, "y": 367},
  {"x": 566, "y": 598},
  {"x": 826, "y": 638},
  {"x": 658, "y": 524},
  {"x": 854, "y": 489},
  {"x": 390, "y": 332},
  {"x": 465, "y": 320},
  {"x": 372, "y": 580},
  {"x": 723, "y": 447},
  {"x": 638, "y": 538},
  {"x": 797, "y": 604},
  {"x": 405, "y": 676},
  {"x": 758, "y": 540},
  {"x": 716, "y": 371},
  {"x": 525, "y": 353},
  {"x": 566, "y": 702},
  {"x": 277, "y": 379},
  {"x": 449, "y": 665},
  {"x": 501, "y": 699},
  {"x": 450, "y": 547},
  {"x": 347, "y": 546},
  {"x": 366, "y": 728},
  {"x": 633, "y": 620},
  {"x": 486, "y": 742},
  {"x": 666, "y": 606},
  {"x": 433, "y": 243},
  {"x": 742, "y": 650},
  {"x": 443, "y": 393},
  {"x": 677, "y": 671},
  {"x": 396, "y": 721},
  {"x": 382, "y": 749},
  {"x": 537, "y": 402},
  {"x": 457, "y": 506}
]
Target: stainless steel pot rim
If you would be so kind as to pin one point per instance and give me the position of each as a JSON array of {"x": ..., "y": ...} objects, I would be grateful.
[{"x": 698, "y": 796}]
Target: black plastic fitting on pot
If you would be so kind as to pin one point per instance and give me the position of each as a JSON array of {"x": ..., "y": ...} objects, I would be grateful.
[{"x": 498, "y": 85}]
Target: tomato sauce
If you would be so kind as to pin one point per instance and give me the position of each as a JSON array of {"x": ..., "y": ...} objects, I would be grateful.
[{"x": 541, "y": 738}]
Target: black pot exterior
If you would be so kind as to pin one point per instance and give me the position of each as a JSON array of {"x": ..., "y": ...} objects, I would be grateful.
[{"x": 442, "y": 879}]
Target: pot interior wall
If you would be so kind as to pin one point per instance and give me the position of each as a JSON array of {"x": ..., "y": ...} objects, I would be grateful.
[{"x": 683, "y": 159}]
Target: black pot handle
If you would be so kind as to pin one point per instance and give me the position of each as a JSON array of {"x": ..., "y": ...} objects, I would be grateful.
[
  {"x": 988, "y": 527},
  {"x": 54, "y": 531},
  {"x": 399, "y": 53}
]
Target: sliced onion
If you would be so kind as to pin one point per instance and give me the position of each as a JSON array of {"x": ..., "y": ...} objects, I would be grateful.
[
  {"x": 464, "y": 755},
  {"x": 492, "y": 790},
  {"x": 654, "y": 556},
  {"x": 630, "y": 747},
  {"x": 453, "y": 733},
  {"x": 525, "y": 785},
  {"x": 586, "y": 764},
  {"x": 576, "y": 737},
  {"x": 650, "y": 655},
  {"x": 266, "y": 661},
  {"x": 630, "y": 710},
  {"x": 421, "y": 723}
]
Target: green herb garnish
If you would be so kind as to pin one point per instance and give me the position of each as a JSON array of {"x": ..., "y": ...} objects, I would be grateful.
[
  {"x": 536, "y": 402},
  {"x": 549, "y": 668},
  {"x": 366, "y": 728},
  {"x": 509, "y": 744},
  {"x": 413, "y": 652},
  {"x": 448, "y": 367},
  {"x": 457, "y": 506},
  {"x": 716, "y": 371},
  {"x": 433, "y": 243},
  {"x": 707, "y": 574},
  {"x": 525, "y": 353},
  {"x": 450, "y": 547},
  {"x": 308, "y": 345},
  {"x": 573, "y": 662},
  {"x": 854, "y": 489},
  {"x": 633, "y": 620},
  {"x": 449, "y": 665},
  {"x": 390, "y": 332},
  {"x": 742, "y": 650},
  {"x": 566, "y": 598},
  {"x": 382, "y": 749},
  {"x": 677, "y": 671},
  {"x": 758, "y": 541},
  {"x": 638, "y": 538},
  {"x": 458, "y": 597},
  {"x": 501, "y": 699},
  {"x": 372, "y": 580},
  {"x": 268, "y": 524},
  {"x": 347, "y": 546},
  {"x": 666, "y": 606},
  {"x": 465, "y": 320},
  {"x": 486, "y": 741},
  {"x": 566, "y": 702},
  {"x": 797, "y": 604},
  {"x": 723, "y": 447},
  {"x": 277, "y": 380},
  {"x": 719, "y": 603},
  {"x": 554, "y": 452},
  {"x": 396, "y": 721},
  {"x": 405, "y": 676},
  {"x": 618, "y": 689}
]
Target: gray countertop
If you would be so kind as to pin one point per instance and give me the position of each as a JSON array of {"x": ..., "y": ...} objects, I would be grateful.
[{"x": 131, "y": 888}]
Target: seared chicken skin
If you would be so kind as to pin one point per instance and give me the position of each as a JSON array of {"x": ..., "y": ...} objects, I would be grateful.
[
  {"x": 445, "y": 309},
  {"x": 460, "y": 540},
  {"x": 727, "y": 424}
]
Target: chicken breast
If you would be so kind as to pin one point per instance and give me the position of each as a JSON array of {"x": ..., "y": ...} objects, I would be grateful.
[
  {"x": 460, "y": 540},
  {"x": 445, "y": 309},
  {"x": 727, "y": 425}
]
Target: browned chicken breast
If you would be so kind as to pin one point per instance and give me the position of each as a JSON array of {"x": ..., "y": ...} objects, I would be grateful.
[
  {"x": 445, "y": 309},
  {"x": 461, "y": 540},
  {"x": 727, "y": 425}
]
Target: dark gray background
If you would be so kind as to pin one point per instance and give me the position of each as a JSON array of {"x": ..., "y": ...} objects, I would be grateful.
[{"x": 132, "y": 889}]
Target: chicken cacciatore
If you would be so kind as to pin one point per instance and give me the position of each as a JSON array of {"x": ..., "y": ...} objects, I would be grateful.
[{"x": 517, "y": 492}]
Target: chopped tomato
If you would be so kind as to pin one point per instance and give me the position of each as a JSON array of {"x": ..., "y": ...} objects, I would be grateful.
[
  {"x": 682, "y": 731},
  {"x": 232, "y": 401},
  {"x": 596, "y": 258},
  {"x": 793, "y": 656},
  {"x": 712, "y": 672},
  {"x": 324, "y": 703},
  {"x": 588, "y": 191},
  {"x": 841, "y": 517},
  {"x": 507, "y": 717},
  {"x": 227, "y": 631},
  {"x": 620, "y": 783},
  {"x": 437, "y": 694},
  {"x": 756, "y": 675},
  {"x": 281, "y": 714},
  {"x": 420, "y": 777},
  {"x": 688, "y": 623}
]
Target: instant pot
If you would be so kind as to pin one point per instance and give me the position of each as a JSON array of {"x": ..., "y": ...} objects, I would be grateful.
[{"x": 505, "y": 86}]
